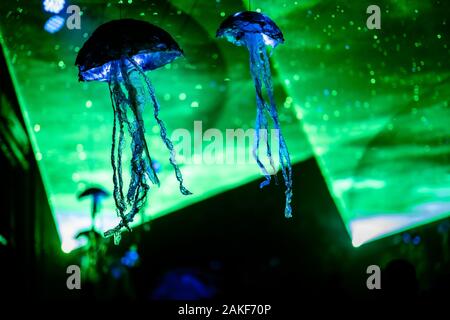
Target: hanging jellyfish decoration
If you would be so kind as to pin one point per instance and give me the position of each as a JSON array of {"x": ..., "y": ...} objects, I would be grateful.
[
  {"x": 256, "y": 31},
  {"x": 119, "y": 52}
]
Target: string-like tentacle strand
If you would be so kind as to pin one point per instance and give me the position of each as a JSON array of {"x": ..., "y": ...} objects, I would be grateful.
[
  {"x": 261, "y": 120},
  {"x": 162, "y": 129},
  {"x": 141, "y": 162},
  {"x": 285, "y": 160},
  {"x": 117, "y": 101},
  {"x": 141, "y": 167},
  {"x": 260, "y": 71}
]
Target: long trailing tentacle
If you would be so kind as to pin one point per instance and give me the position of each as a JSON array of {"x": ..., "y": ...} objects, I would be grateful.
[
  {"x": 261, "y": 126},
  {"x": 139, "y": 164},
  {"x": 261, "y": 65},
  {"x": 138, "y": 203},
  {"x": 260, "y": 69},
  {"x": 162, "y": 128},
  {"x": 134, "y": 104},
  {"x": 261, "y": 120},
  {"x": 285, "y": 161},
  {"x": 123, "y": 119},
  {"x": 141, "y": 167},
  {"x": 116, "y": 160}
]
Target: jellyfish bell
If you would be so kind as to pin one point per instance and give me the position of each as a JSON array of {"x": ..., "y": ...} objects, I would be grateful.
[
  {"x": 240, "y": 26},
  {"x": 149, "y": 46},
  {"x": 119, "y": 53},
  {"x": 256, "y": 31}
]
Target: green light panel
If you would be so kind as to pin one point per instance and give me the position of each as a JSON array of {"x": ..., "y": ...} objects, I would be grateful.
[{"x": 375, "y": 107}]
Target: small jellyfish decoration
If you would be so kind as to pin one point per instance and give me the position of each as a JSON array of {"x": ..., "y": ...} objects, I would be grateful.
[
  {"x": 256, "y": 31},
  {"x": 119, "y": 52}
]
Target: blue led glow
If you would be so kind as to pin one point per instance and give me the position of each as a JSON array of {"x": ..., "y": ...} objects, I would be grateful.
[
  {"x": 53, "y": 6},
  {"x": 54, "y": 24},
  {"x": 130, "y": 259},
  {"x": 145, "y": 60}
]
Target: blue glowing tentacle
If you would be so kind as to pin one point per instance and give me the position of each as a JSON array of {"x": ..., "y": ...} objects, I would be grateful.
[
  {"x": 285, "y": 160},
  {"x": 116, "y": 192},
  {"x": 260, "y": 117},
  {"x": 122, "y": 105},
  {"x": 136, "y": 160},
  {"x": 115, "y": 92},
  {"x": 139, "y": 145},
  {"x": 138, "y": 186},
  {"x": 162, "y": 128},
  {"x": 140, "y": 136},
  {"x": 121, "y": 109},
  {"x": 138, "y": 202},
  {"x": 260, "y": 47},
  {"x": 260, "y": 125},
  {"x": 261, "y": 120},
  {"x": 122, "y": 118},
  {"x": 139, "y": 121}
]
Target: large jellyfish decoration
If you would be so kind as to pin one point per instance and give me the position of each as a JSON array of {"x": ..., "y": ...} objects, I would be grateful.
[
  {"x": 256, "y": 31},
  {"x": 119, "y": 53}
]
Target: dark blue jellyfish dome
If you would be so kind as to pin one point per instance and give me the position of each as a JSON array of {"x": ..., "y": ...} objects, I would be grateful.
[
  {"x": 256, "y": 31},
  {"x": 148, "y": 45},
  {"x": 249, "y": 23},
  {"x": 119, "y": 53}
]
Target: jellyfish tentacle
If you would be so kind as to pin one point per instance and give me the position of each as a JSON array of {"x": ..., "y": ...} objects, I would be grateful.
[
  {"x": 136, "y": 153},
  {"x": 118, "y": 182},
  {"x": 261, "y": 120},
  {"x": 122, "y": 103},
  {"x": 116, "y": 160},
  {"x": 120, "y": 149},
  {"x": 162, "y": 128},
  {"x": 123, "y": 118},
  {"x": 147, "y": 163},
  {"x": 260, "y": 117},
  {"x": 128, "y": 218},
  {"x": 137, "y": 189},
  {"x": 138, "y": 184},
  {"x": 261, "y": 48},
  {"x": 285, "y": 161},
  {"x": 117, "y": 197},
  {"x": 136, "y": 159},
  {"x": 261, "y": 126},
  {"x": 138, "y": 121}
]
